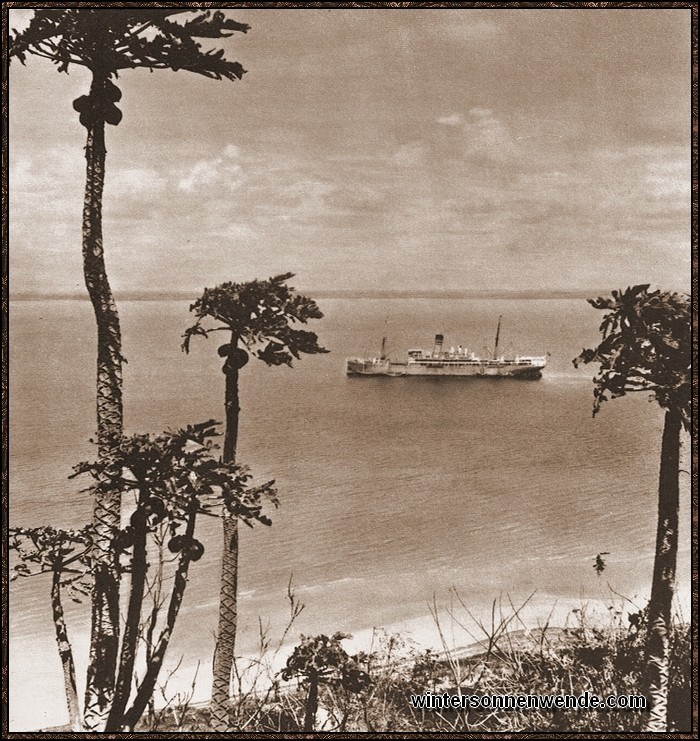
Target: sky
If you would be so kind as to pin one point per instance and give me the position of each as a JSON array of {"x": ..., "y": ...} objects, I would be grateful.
[{"x": 456, "y": 149}]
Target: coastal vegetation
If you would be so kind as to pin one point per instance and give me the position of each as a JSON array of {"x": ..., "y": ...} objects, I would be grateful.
[{"x": 324, "y": 688}]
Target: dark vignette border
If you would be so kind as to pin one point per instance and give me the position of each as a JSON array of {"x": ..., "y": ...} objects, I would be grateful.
[{"x": 4, "y": 304}]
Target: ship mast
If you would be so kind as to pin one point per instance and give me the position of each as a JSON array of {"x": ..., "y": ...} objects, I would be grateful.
[
  {"x": 383, "y": 354},
  {"x": 498, "y": 332}
]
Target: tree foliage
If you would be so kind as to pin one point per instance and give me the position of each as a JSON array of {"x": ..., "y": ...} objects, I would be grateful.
[
  {"x": 646, "y": 346},
  {"x": 260, "y": 314},
  {"x": 47, "y": 549},
  {"x": 109, "y": 40},
  {"x": 166, "y": 473},
  {"x": 324, "y": 657},
  {"x": 323, "y": 660}
]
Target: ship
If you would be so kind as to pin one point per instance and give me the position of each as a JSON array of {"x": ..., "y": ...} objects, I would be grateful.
[{"x": 457, "y": 361}]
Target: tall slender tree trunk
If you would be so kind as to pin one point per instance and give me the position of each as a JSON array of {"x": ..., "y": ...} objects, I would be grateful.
[
  {"x": 66, "y": 653},
  {"x": 664, "y": 579},
  {"x": 311, "y": 703},
  {"x": 104, "y": 639},
  {"x": 145, "y": 690},
  {"x": 132, "y": 626},
  {"x": 228, "y": 595}
]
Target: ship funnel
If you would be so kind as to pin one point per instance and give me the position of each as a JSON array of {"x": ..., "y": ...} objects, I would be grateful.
[{"x": 438, "y": 345}]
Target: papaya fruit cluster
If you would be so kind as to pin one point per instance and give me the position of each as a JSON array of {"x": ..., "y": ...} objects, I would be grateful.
[
  {"x": 181, "y": 543},
  {"x": 235, "y": 358},
  {"x": 150, "y": 513},
  {"x": 100, "y": 105}
]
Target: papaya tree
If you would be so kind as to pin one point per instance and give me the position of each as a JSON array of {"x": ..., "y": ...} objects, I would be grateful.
[
  {"x": 107, "y": 41},
  {"x": 170, "y": 478},
  {"x": 65, "y": 555},
  {"x": 323, "y": 660},
  {"x": 646, "y": 346},
  {"x": 258, "y": 317}
]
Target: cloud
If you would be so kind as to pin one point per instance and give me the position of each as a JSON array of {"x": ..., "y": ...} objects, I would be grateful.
[
  {"x": 410, "y": 154},
  {"x": 201, "y": 173},
  {"x": 669, "y": 180},
  {"x": 19, "y": 18},
  {"x": 454, "y": 119},
  {"x": 135, "y": 182},
  {"x": 479, "y": 136},
  {"x": 222, "y": 171},
  {"x": 46, "y": 173},
  {"x": 302, "y": 199},
  {"x": 237, "y": 231},
  {"x": 481, "y": 113},
  {"x": 484, "y": 131},
  {"x": 20, "y": 173}
]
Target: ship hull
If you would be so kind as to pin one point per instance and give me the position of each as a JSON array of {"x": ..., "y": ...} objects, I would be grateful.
[
  {"x": 373, "y": 367},
  {"x": 485, "y": 369},
  {"x": 480, "y": 370}
]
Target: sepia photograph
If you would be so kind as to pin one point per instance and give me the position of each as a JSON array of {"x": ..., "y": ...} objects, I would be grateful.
[{"x": 348, "y": 375}]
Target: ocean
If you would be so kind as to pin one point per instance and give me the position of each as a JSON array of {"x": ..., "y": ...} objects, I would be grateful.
[{"x": 396, "y": 493}]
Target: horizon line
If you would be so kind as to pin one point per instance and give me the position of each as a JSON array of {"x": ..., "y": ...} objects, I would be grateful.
[{"x": 137, "y": 295}]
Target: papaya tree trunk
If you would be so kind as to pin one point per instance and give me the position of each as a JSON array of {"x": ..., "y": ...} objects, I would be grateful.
[
  {"x": 228, "y": 593},
  {"x": 311, "y": 703},
  {"x": 664, "y": 579},
  {"x": 132, "y": 626},
  {"x": 66, "y": 653},
  {"x": 104, "y": 639},
  {"x": 144, "y": 693}
]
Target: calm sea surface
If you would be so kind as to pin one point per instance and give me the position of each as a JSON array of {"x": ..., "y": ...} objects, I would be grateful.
[{"x": 392, "y": 490}]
